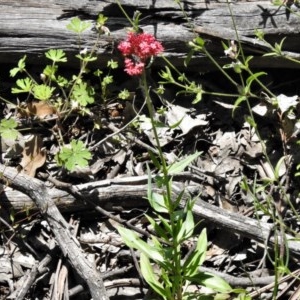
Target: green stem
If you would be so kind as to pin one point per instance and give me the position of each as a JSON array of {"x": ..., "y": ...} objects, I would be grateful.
[
  {"x": 219, "y": 67},
  {"x": 189, "y": 82},
  {"x": 176, "y": 268},
  {"x": 294, "y": 60},
  {"x": 126, "y": 15}
]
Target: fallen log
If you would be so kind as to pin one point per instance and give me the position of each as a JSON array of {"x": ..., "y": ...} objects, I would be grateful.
[{"x": 32, "y": 27}]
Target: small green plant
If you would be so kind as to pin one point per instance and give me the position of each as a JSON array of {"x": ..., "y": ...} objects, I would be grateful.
[
  {"x": 274, "y": 187},
  {"x": 65, "y": 95},
  {"x": 8, "y": 129},
  {"x": 73, "y": 155},
  {"x": 163, "y": 263},
  {"x": 173, "y": 274}
]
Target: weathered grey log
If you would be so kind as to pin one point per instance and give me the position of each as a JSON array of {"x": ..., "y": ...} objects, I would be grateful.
[
  {"x": 129, "y": 193},
  {"x": 31, "y": 27}
]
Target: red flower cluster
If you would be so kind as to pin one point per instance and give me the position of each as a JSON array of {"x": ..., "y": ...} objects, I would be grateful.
[{"x": 139, "y": 47}]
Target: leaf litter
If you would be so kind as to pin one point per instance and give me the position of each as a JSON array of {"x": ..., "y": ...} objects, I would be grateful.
[{"x": 232, "y": 159}]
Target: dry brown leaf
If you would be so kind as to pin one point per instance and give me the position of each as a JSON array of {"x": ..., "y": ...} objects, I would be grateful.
[
  {"x": 41, "y": 109},
  {"x": 33, "y": 155}
]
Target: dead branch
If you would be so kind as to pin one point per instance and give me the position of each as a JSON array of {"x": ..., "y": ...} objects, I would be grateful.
[
  {"x": 127, "y": 193},
  {"x": 39, "y": 194}
]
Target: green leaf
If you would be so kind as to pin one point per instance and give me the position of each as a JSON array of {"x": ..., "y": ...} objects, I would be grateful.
[
  {"x": 278, "y": 47},
  {"x": 159, "y": 230},
  {"x": 196, "y": 259},
  {"x": 182, "y": 164},
  {"x": 238, "y": 101},
  {"x": 101, "y": 20},
  {"x": 24, "y": 86},
  {"x": 43, "y": 92},
  {"x": 20, "y": 68},
  {"x": 76, "y": 154},
  {"x": 237, "y": 67},
  {"x": 187, "y": 228},
  {"x": 150, "y": 277},
  {"x": 61, "y": 81},
  {"x": 253, "y": 77},
  {"x": 242, "y": 296},
  {"x": 7, "y": 129},
  {"x": 98, "y": 73},
  {"x": 251, "y": 121},
  {"x": 83, "y": 94},
  {"x": 178, "y": 198},
  {"x": 260, "y": 35},
  {"x": 198, "y": 97},
  {"x": 155, "y": 161},
  {"x": 166, "y": 224},
  {"x": 50, "y": 71},
  {"x": 107, "y": 80},
  {"x": 182, "y": 77},
  {"x": 88, "y": 57},
  {"x": 112, "y": 64},
  {"x": 167, "y": 75},
  {"x": 132, "y": 240},
  {"x": 199, "y": 42},
  {"x": 189, "y": 57},
  {"x": 278, "y": 168},
  {"x": 124, "y": 94},
  {"x": 78, "y": 26},
  {"x": 216, "y": 283},
  {"x": 56, "y": 55},
  {"x": 247, "y": 61},
  {"x": 157, "y": 202}
]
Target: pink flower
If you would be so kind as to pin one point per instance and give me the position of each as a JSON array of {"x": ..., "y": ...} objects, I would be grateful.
[
  {"x": 140, "y": 47},
  {"x": 133, "y": 68}
]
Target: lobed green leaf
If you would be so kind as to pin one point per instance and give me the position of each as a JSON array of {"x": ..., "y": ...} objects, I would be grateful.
[
  {"x": 7, "y": 129},
  {"x": 73, "y": 155},
  {"x": 24, "y": 86},
  {"x": 43, "y": 92},
  {"x": 20, "y": 68},
  {"x": 56, "y": 55},
  {"x": 78, "y": 26}
]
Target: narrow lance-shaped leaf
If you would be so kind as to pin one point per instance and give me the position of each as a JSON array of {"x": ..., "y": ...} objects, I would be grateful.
[
  {"x": 150, "y": 277},
  {"x": 134, "y": 241},
  {"x": 187, "y": 227},
  {"x": 195, "y": 260},
  {"x": 214, "y": 282},
  {"x": 179, "y": 166},
  {"x": 160, "y": 231}
]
